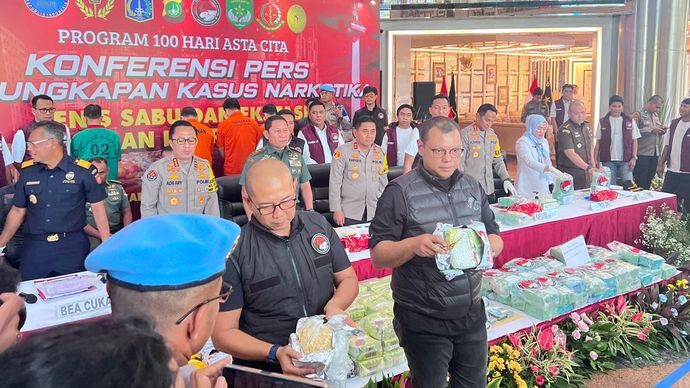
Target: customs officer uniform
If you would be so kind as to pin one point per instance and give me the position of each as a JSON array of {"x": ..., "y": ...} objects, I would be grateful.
[
  {"x": 577, "y": 137},
  {"x": 482, "y": 156},
  {"x": 356, "y": 182},
  {"x": 290, "y": 156},
  {"x": 169, "y": 186},
  {"x": 54, "y": 238}
]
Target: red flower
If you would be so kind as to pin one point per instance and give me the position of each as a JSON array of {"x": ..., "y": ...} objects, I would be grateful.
[
  {"x": 534, "y": 368},
  {"x": 540, "y": 380},
  {"x": 642, "y": 336},
  {"x": 554, "y": 370},
  {"x": 515, "y": 340},
  {"x": 534, "y": 352},
  {"x": 545, "y": 340},
  {"x": 636, "y": 317},
  {"x": 621, "y": 303}
]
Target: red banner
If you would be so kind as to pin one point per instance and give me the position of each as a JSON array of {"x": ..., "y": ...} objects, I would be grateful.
[{"x": 142, "y": 61}]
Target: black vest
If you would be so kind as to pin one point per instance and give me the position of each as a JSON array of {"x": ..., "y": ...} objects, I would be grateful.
[
  {"x": 418, "y": 285},
  {"x": 275, "y": 297}
]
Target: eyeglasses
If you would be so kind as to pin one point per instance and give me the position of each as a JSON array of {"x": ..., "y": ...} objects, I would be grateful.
[
  {"x": 37, "y": 142},
  {"x": 45, "y": 110},
  {"x": 270, "y": 209},
  {"x": 438, "y": 153},
  {"x": 369, "y": 95},
  {"x": 182, "y": 140},
  {"x": 225, "y": 291}
]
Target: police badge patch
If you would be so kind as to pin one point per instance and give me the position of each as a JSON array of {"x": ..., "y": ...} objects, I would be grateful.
[
  {"x": 47, "y": 9},
  {"x": 321, "y": 243},
  {"x": 206, "y": 12}
]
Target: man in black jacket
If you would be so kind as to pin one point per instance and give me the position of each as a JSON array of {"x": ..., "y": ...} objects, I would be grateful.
[
  {"x": 374, "y": 111},
  {"x": 440, "y": 323}
]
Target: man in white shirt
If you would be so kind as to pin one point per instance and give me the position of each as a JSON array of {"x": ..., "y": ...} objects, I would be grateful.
[
  {"x": 398, "y": 135},
  {"x": 676, "y": 156},
  {"x": 440, "y": 106},
  {"x": 321, "y": 138},
  {"x": 617, "y": 142}
]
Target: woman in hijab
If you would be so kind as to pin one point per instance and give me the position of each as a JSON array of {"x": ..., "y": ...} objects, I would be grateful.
[{"x": 534, "y": 160}]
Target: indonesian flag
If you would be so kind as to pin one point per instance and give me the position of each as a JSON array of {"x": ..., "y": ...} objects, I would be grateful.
[
  {"x": 534, "y": 85},
  {"x": 444, "y": 88}
]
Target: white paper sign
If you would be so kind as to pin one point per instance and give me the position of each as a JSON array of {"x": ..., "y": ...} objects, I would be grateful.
[
  {"x": 82, "y": 307},
  {"x": 575, "y": 252}
]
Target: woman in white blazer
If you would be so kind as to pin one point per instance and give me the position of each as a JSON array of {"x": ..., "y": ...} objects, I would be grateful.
[{"x": 534, "y": 160}]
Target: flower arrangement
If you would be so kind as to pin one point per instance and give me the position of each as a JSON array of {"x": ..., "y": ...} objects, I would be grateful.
[
  {"x": 669, "y": 303},
  {"x": 505, "y": 367},
  {"x": 666, "y": 234}
]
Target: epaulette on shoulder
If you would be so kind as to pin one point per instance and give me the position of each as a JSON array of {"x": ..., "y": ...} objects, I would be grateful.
[
  {"x": 83, "y": 163},
  {"x": 115, "y": 181},
  {"x": 257, "y": 152},
  {"x": 28, "y": 163}
]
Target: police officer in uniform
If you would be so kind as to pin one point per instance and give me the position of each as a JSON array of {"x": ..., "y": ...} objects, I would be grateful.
[
  {"x": 278, "y": 136},
  {"x": 359, "y": 173},
  {"x": 50, "y": 195},
  {"x": 182, "y": 182},
  {"x": 575, "y": 155},
  {"x": 482, "y": 155},
  {"x": 288, "y": 264},
  {"x": 648, "y": 145},
  {"x": 117, "y": 207}
]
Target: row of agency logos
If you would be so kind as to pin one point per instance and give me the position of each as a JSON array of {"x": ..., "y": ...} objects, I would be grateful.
[{"x": 240, "y": 13}]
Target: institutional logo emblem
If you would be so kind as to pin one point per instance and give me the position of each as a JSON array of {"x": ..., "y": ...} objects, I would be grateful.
[
  {"x": 296, "y": 18},
  {"x": 240, "y": 12},
  {"x": 47, "y": 9},
  {"x": 270, "y": 16},
  {"x": 172, "y": 11},
  {"x": 206, "y": 12},
  {"x": 139, "y": 10},
  {"x": 98, "y": 9},
  {"x": 320, "y": 243}
]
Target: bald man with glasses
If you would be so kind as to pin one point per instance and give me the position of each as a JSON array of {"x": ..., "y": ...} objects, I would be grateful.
[{"x": 181, "y": 182}]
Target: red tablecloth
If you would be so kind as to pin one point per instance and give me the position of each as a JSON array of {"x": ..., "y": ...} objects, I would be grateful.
[{"x": 620, "y": 224}]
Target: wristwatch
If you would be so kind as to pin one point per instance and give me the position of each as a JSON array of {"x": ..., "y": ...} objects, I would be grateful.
[{"x": 273, "y": 354}]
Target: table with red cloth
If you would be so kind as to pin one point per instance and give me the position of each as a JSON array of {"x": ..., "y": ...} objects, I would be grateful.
[{"x": 621, "y": 222}]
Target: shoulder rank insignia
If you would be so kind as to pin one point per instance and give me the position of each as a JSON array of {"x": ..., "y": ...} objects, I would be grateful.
[
  {"x": 83, "y": 163},
  {"x": 257, "y": 152},
  {"x": 115, "y": 181},
  {"x": 28, "y": 163},
  {"x": 296, "y": 149},
  {"x": 212, "y": 185}
]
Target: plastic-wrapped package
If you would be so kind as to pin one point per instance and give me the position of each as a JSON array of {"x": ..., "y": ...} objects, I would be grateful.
[
  {"x": 544, "y": 299},
  {"x": 378, "y": 326},
  {"x": 650, "y": 275},
  {"x": 504, "y": 285},
  {"x": 354, "y": 238},
  {"x": 506, "y": 202},
  {"x": 636, "y": 256},
  {"x": 575, "y": 284},
  {"x": 369, "y": 367},
  {"x": 511, "y": 218},
  {"x": 363, "y": 347},
  {"x": 390, "y": 345},
  {"x": 596, "y": 287},
  {"x": 563, "y": 188},
  {"x": 323, "y": 346},
  {"x": 608, "y": 279},
  {"x": 468, "y": 248},
  {"x": 601, "y": 180},
  {"x": 597, "y": 253},
  {"x": 356, "y": 311},
  {"x": 379, "y": 305},
  {"x": 546, "y": 264},
  {"x": 394, "y": 358},
  {"x": 548, "y": 203},
  {"x": 667, "y": 270},
  {"x": 627, "y": 276}
]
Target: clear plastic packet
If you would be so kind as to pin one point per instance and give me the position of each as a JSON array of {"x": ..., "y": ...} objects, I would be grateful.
[
  {"x": 364, "y": 347},
  {"x": 601, "y": 180},
  {"x": 636, "y": 256},
  {"x": 356, "y": 311},
  {"x": 596, "y": 287},
  {"x": 564, "y": 189},
  {"x": 575, "y": 284},
  {"x": 597, "y": 253},
  {"x": 468, "y": 249},
  {"x": 368, "y": 367},
  {"x": 379, "y": 326},
  {"x": 511, "y": 218},
  {"x": 324, "y": 346},
  {"x": 545, "y": 299},
  {"x": 394, "y": 358}
]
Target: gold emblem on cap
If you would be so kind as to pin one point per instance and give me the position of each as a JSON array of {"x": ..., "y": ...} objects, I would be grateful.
[{"x": 33, "y": 199}]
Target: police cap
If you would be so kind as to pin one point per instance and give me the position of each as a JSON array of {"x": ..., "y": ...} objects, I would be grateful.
[{"x": 166, "y": 252}]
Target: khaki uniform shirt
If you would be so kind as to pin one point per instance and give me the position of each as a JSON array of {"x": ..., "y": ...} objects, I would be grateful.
[
  {"x": 116, "y": 202},
  {"x": 576, "y": 137},
  {"x": 357, "y": 180},
  {"x": 342, "y": 123},
  {"x": 289, "y": 156},
  {"x": 482, "y": 156},
  {"x": 649, "y": 143},
  {"x": 169, "y": 186},
  {"x": 535, "y": 108}
]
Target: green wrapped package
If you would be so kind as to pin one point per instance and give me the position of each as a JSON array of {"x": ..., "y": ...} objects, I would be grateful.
[
  {"x": 511, "y": 218},
  {"x": 394, "y": 358},
  {"x": 548, "y": 203},
  {"x": 465, "y": 249},
  {"x": 575, "y": 284},
  {"x": 503, "y": 283},
  {"x": 598, "y": 253},
  {"x": 356, "y": 311},
  {"x": 545, "y": 299},
  {"x": 563, "y": 188},
  {"x": 595, "y": 287},
  {"x": 390, "y": 345},
  {"x": 379, "y": 305},
  {"x": 637, "y": 256},
  {"x": 363, "y": 347},
  {"x": 649, "y": 275},
  {"x": 667, "y": 271},
  {"x": 378, "y": 326},
  {"x": 627, "y": 275},
  {"x": 369, "y": 367},
  {"x": 507, "y": 201}
]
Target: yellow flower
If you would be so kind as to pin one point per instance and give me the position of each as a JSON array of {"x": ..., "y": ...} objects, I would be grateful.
[
  {"x": 507, "y": 347},
  {"x": 514, "y": 366},
  {"x": 497, "y": 374},
  {"x": 519, "y": 381},
  {"x": 671, "y": 287},
  {"x": 495, "y": 349}
]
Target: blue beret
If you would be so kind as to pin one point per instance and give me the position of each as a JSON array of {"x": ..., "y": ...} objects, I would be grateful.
[
  {"x": 327, "y": 88},
  {"x": 166, "y": 252}
]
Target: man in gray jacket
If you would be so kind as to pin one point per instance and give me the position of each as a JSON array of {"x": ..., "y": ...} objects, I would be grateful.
[
  {"x": 440, "y": 323},
  {"x": 180, "y": 183}
]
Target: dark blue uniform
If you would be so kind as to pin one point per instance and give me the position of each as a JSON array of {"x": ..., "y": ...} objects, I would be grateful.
[{"x": 54, "y": 239}]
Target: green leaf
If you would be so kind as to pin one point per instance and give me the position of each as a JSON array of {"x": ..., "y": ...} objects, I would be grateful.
[{"x": 495, "y": 383}]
